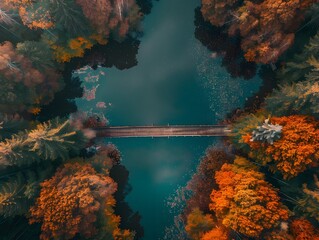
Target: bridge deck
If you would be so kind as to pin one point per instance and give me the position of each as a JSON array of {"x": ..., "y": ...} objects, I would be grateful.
[{"x": 163, "y": 131}]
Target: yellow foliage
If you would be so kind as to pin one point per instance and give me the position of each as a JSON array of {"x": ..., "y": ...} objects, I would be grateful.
[
  {"x": 198, "y": 223},
  {"x": 34, "y": 110},
  {"x": 75, "y": 47}
]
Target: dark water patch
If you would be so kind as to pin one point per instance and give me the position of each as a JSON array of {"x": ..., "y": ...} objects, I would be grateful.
[{"x": 129, "y": 219}]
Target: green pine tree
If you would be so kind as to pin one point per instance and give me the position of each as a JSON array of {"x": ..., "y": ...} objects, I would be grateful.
[
  {"x": 19, "y": 189},
  {"x": 48, "y": 141},
  {"x": 300, "y": 66},
  {"x": 298, "y": 98}
]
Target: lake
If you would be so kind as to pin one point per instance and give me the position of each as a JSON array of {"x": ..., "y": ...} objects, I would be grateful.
[{"x": 176, "y": 81}]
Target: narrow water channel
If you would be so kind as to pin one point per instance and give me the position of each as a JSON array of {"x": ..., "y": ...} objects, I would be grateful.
[{"x": 176, "y": 81}]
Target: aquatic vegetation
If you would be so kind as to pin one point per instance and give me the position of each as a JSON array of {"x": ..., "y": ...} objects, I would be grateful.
[
  {"x": 266, "y": 27},
  {"x": 245, "y": 202}
]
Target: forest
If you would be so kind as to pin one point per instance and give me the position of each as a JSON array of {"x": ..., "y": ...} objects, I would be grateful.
[
  {"x": 262, "y": 181},
  {"x": 58, "y": 182}
]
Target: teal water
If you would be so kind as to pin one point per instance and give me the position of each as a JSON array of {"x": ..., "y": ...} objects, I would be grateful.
[{"x": 176, "y": 81}]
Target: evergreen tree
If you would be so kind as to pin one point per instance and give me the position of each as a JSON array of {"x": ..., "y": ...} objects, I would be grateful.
[
  {"x": 18, "y": 190},
  {"x": 38, "y": 52},
  {"x": 300, "y": 66},
  {"x": 298, "y": 98},
  {"x": 48, "y": 141}
]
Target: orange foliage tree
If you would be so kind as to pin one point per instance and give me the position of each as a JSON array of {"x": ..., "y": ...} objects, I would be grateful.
[
  {"x": 203, "y": 181},
  {"x": 302, "y": 229},
  {"x": 198, "y": 223},
  {"x": 69, "y": 202},
  {"x": 245, "y": 202},
  {"x": 217, "y": 233},
  {"x": 74, "y": 48},
  {"x": 295, "y": 151},
  {"x": 267, "y": 27},
  {"x": 24, "y": 86},
  {"x": 218, "y": 12}
]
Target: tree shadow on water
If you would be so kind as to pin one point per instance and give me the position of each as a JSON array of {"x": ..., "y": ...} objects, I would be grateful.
[
  {"x": 121, "y": 55},
  {"x": 129, "y": 219}
]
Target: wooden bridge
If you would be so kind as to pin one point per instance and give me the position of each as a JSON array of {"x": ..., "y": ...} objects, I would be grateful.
[{"x": 163, "y": 131}]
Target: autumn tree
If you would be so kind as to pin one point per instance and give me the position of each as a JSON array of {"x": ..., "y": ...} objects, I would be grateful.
[
  {"x": 24, "y": 86},
  {"x": 198, "y": 224},
  {"x": 219, "y": 12},
  {"x": 203, "y": 181},
  {"x": 244, "y": 126},
  {"x": 217, "y": 233},
  {"x": 106, "y": 16},
  {"x": 296, "y": 150},
  {"x": 302, "y": 229},
  {"x": 267, "y": 27},
  {"x": 70, "y": 200},
  {"x": 244, "y": 201},
  {"x": 12, "y": 124},
  {"x": 38, "y": 53}
]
